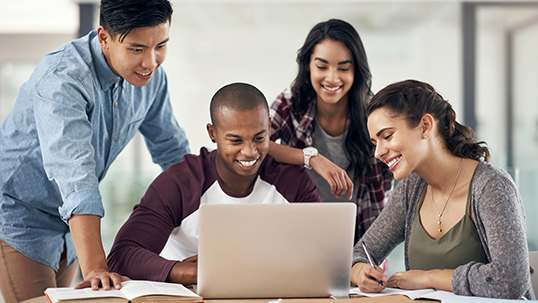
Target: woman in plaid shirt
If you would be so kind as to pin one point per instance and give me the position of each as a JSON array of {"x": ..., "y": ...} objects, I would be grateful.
[{"x": 325, "y": 109}]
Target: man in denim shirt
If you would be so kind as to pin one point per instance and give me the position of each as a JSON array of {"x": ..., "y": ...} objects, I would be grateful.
[{"x": 80, "y": 107}]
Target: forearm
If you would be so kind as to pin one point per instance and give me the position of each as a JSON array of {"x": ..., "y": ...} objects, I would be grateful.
[
  {"x": 86, "y": 234},
  {"x": 286, "y": 154},
  {"x": 440, "y": 279}
]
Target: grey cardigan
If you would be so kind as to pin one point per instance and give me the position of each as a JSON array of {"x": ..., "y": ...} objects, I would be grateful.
[{"x": 499, "y": 216}]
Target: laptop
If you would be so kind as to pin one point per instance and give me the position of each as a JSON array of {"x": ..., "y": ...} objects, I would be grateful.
[{"x": 275, "y": 250}]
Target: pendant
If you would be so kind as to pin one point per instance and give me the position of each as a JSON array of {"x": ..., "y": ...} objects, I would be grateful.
[{"x": 439, "y": 222}]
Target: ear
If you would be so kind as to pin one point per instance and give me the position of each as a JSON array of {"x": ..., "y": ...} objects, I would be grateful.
[
  {"x": 427, "y": 124},
  {"x": 212, "y": 132},
  {"x": 104, "y": 37}
]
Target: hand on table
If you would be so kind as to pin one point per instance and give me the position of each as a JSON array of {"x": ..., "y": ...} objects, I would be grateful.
[
  {"x": 411, "y": 279},
  {"x": 184, "y": 272},
  {"x": 367, "y": 278},
  {"x": 102, "y": 277},
  {"x": 337, "y": 177}
]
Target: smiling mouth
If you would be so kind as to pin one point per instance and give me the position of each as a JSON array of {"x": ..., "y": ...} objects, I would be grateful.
[
  {"x": 248, "y": 163},
  {"x": 144, "y": 74},
  {"x": 394, "y": 161},
  {"x": 332, "y": 88}
]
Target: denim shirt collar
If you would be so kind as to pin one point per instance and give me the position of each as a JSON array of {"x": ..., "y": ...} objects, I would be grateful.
[{"x": 107, "y": 78}]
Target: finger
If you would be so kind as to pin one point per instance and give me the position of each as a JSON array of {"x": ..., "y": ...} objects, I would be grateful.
[
  {"x": 345, "y": 184},
  {"x": 349, "y": 186},
  {"x": 83, "y": 284},
  {"x": 95, "y": 283},
  {"x": 124, "y": 278},
  {"x": 341, "y": 185},
  {"x": 116, "y": 281},
  {"x": 338, "y": 186},
  {"x": 105, "y": 281},
  {"x": 376, "y": 274}
]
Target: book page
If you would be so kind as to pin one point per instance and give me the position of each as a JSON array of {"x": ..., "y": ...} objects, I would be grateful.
[
  {"x": 135, "y": 289},
  {"x": 69, "y": 293},
  {"x": 411, "y": 294}
]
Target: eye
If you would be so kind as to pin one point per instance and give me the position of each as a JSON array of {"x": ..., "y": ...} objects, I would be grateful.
[
  {"x": 344, "y": 69},
  {"x": 136, "y": 50},
  {"x": 235, "y": 141},
  {"x": 161, "y": 46},
  {"x": 387, "y": 136},
  {"x": 260, "y": 138},
  {"x": 321, "y": 67}
]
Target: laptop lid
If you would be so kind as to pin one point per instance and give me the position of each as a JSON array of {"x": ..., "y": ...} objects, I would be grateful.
[{"x": 275, "y": 250}]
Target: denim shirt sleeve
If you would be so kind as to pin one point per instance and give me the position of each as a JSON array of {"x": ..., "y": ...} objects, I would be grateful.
[
  {"x": 165, "y": 139},
  {"x": 65, "y": 133}
]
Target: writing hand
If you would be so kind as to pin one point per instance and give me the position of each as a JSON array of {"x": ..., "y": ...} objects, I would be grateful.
[{"x": 367, "y": 278}]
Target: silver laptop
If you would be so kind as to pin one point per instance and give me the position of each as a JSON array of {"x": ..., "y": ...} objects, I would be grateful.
[{"x": 275, "y": 250}]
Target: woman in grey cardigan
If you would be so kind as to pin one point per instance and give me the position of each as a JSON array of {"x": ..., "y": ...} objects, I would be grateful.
[{"x": 462, "y": 219}]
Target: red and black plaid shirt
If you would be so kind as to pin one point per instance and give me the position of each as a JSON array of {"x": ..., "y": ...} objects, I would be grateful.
[{"x": 297, "y": 130}]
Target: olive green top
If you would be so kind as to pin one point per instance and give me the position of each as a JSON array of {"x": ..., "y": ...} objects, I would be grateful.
[{"x": 460, "y": 245}]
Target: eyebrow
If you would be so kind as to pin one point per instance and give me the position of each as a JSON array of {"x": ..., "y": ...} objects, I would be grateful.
[
  {"x": 382, "y": 130},
  {"x": 145, "y": 46},
  {"x": 236, "y": 136},
  {"x": 327, "y": 62}
]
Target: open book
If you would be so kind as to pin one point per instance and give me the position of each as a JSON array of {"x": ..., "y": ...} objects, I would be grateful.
[
  {"x": 131, "y": 291},
  {"x": 411, "y": 294}
]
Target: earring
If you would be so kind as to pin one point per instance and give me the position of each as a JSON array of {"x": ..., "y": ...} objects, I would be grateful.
[{"x": 213, "y": 141}]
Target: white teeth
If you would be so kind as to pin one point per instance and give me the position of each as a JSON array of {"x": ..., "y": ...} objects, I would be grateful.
[
  {"x": 144, "y": 74},
  {"x": 248, "y": 163},
  {"x": 332, "y": 89},
  {"x": 393, "y": 161}
]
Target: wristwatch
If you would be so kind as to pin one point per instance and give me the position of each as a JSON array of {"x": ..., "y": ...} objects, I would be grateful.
[{"x": 309, "y": 152}]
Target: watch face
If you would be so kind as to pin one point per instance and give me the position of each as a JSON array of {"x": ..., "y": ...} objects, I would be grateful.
[{"x": 310, "y": 151}]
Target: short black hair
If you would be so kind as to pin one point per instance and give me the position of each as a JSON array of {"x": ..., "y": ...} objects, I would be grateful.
[
  {"x": 237, "y": 96},
  {"x": 122, "y": 16}
]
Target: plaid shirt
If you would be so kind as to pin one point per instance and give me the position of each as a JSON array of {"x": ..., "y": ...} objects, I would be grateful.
[{"x": 297, "y": 130}]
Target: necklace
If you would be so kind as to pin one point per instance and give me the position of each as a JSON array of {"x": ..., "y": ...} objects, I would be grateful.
[{"x": 440, "y": 214}]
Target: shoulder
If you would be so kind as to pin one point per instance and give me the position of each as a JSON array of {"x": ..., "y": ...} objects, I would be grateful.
[
  {"x": 282, "y": 103},
  {"x": 278, "y": 173},
  {"x": 187, "y": 174},
  {"x": 487, "y": 177},
  {"x": 492, "y": 185},
  {"x": 70, "y": 64}
]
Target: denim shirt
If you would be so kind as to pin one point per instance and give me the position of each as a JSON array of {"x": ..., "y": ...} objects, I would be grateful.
[{"x": 70, "y": 121}]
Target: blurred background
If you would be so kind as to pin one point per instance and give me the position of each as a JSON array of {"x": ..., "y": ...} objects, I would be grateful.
[{"x": 481, "y": 56}]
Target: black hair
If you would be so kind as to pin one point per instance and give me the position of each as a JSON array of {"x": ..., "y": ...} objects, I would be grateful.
[
  {"x": 412, "y": 99},
  {"x": 237, "y": 96},
  {"x": 358, "y": 146},
  {"x": 122, "y": 16}
]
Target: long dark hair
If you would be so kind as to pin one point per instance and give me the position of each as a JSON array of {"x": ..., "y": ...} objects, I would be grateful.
[
  {"x": 357, "y": 142},
  {"x": 411, "y": 100}
]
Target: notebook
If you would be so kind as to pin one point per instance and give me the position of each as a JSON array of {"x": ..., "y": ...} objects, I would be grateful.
[{"x": 275, "y": 250}]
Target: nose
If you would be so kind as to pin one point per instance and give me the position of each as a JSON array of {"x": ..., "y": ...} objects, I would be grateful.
[
  {"x": 249, "y": 150},
  {"x": 332, "y": 75},
  {"x": 149, "y": 61},
  {"x": 380, "y": 151}
]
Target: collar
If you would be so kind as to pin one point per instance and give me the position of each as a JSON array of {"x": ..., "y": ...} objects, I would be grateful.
[{"x": 106, "y": 77}]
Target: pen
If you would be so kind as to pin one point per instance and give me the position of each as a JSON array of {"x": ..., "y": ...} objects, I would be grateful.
[{"x": 370, "y": 259}]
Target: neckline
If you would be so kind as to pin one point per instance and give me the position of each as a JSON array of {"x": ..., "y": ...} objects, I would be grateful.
[{"x": 467, "y": 207}]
